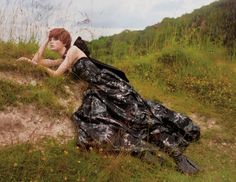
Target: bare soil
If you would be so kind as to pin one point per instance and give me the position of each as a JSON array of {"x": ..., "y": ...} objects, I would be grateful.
[
  {"x": 19, "y": 78},
  {"x": 204, "y": 122},
  {"x": 28, "y": 124}
]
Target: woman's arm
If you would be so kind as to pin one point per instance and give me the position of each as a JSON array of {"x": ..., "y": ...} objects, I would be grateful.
[
  {"x": 72, "y": 55},
  {"x": 64, "y": 66},
  {"x": 38, "y": 57},
  {"x": 43, "y": 62},
  {"x": 50, "y": 62}
]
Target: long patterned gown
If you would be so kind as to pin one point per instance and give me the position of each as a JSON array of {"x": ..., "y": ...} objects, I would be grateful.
[{"x": 115, "y": 117}]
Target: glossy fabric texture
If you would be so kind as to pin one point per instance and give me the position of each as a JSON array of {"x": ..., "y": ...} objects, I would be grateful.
[{"x": 115, "y": 117}]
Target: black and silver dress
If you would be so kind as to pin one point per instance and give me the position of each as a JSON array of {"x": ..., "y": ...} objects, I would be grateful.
[{"x": 115, "y": 117}]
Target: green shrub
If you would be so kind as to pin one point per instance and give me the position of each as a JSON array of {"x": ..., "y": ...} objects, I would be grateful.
[{"x": 173, "y": 56}]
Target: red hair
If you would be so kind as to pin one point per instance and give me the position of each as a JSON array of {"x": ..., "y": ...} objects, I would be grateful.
[{"x": 62, "y": 35}]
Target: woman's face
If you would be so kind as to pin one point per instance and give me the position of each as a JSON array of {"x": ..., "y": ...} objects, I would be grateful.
[{"x": 55, "y": 44}]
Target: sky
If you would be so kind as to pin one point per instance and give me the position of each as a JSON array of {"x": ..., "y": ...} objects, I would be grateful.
[{"x": 90, "y": 19}]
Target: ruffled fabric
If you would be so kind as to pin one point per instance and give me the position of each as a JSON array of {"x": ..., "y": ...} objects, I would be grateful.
[{"x": 115, "y": 117}]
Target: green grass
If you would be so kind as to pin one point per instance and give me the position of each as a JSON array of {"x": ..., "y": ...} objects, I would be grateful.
[
  {"x": 14, "y": 94},
  {"x": 60, "y": 162},
  {"x": 181, "y": 78},
  {"x": 189, "y": 71},
  {"x": 12, "y": 50},
  {"x": 50, "y": 161},
  {"x": 45, "y": 93}
]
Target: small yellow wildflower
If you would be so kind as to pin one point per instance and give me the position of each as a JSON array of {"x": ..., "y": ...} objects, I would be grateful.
[{"x": 65, "y": 152}]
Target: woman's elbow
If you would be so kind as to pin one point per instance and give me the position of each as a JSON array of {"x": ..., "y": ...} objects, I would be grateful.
[
  {"x": 56, "y": 74},
  {"x": 52, "y": 73}
]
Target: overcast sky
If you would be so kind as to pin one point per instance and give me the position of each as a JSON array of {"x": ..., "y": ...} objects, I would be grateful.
[{"x": 93, "y": 18}]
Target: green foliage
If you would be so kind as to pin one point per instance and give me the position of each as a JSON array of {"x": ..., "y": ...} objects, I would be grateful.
[
  {"x": 183, "y": 63},
  {"x": 58, "y": 162},
  {"x": 198, "y": 74},
  {"x": 199, "y": 77},
  {"x": 8, "y": 93},
  {"x": 11, "y": 65},
  {"x": 11, "y": 49},
  {"x": 173, "y": 57},
  {"x": 56, "y": 85},
  {"x": 51, "y": 161},
  {"x": 45, "y": 93},
  {"x": 212, "y": 25},
  {"x": 13, "y": 94}
]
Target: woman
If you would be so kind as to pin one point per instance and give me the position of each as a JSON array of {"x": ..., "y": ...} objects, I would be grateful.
[
  {"x": 113, "y": 115},
  {"x": 59, "y": 40}
]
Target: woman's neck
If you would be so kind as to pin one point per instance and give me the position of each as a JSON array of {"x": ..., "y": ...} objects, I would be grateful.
[{"x": 62, "y": 52}]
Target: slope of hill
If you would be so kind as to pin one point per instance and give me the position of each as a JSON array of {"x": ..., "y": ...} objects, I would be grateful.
[
  {"x": 174, "y": 62},
  {"x": 208, "y": 27},
  {"x": 35, "y": 108},
  {"x": 192, "y": 55}
]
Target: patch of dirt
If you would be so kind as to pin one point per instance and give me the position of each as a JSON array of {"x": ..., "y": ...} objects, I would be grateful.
[
  {"x": 28, "y": 124},
  {"x": 20, "y": 79},
  {"x": 75, "y": 92},
  {"x": 204, "y": 122}
]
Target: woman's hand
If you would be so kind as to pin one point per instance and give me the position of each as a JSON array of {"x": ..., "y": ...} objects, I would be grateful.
[
  {"x": 38, "y": 57},
  {"x": 48, "y": 38},
  {"x": 25, "y": 59}
]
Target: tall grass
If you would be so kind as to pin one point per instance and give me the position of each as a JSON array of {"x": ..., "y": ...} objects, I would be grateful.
[
  {"x": 178, "y": 70},
  {"x": 24, "y": 21},
  {"x": 188, "y": 71},
  {"x": 174, "y": 76}
]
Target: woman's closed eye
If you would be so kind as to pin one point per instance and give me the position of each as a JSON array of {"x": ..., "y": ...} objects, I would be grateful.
[{"x": 53, "y": 39}]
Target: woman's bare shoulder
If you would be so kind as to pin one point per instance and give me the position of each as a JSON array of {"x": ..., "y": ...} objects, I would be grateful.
[
  {"x": 73, "y": 49},
  {"x": 74, "y": 54},
  {"x": 76, "y": 51}
]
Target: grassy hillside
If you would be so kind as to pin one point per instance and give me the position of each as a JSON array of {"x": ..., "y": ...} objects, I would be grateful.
[
  {"x": 188, "y": 64},
  {"x": 205, "y": 28},
  {"x": 193, "y": 55},
  {"x": 48, "y": 160}
]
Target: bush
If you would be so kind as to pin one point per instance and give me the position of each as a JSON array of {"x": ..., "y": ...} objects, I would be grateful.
[{"x": 173, "y": 56}]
